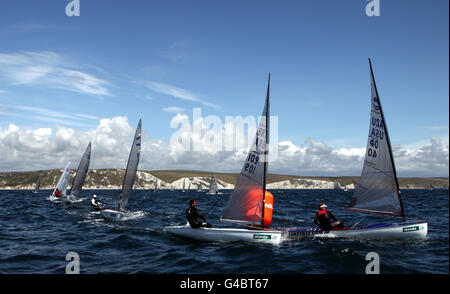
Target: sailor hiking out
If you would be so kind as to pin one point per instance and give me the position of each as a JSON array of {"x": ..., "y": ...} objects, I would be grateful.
[
  {"x": 96, "y": 204},
  {"x": 323, "y": 219},
  {"x": 193, "y": 216}
]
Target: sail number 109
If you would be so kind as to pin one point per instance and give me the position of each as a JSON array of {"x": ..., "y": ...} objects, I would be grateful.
[{"x": 251, "y": 163}]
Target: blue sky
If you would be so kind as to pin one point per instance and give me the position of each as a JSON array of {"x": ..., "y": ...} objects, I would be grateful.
[{"x": 217, "y": 54}]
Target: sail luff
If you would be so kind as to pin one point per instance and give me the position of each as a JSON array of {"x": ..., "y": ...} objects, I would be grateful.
[
  {"x": 82, "y": 170},
  {"x": 266, "y": 151},
  {"x": 387, "y": 140},
  {"x": 131, "y": 170}
]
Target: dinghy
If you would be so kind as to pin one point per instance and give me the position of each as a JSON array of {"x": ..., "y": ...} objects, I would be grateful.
[
  {"x": 128, "y": 180},
  {"x": 38, "y": 185},
  {"x": 184, "y": 185},
  {"x": 60, "y": 190},
  {"x": 213, "y": 189},
  {"x": 200, "y": 188},
  {"x": 249, "y": 204},
  {"x": 378, "y": 191},
  {"x": 80, "y": 176}
]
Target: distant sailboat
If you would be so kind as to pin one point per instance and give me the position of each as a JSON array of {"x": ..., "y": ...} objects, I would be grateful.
[
  {"x": 184, "y": 185},
  {"x": 128, "y": 180},
  {"x": 250, "y": 203},
  {"x": 38, "y": 185},
  {"x": 60, "y": 190},
  {"x": 377, "y": 191},
  {"x": 79, "y": 178},
  {"x": 200, "y": 188},
  {"x": 213, "y": 189}
]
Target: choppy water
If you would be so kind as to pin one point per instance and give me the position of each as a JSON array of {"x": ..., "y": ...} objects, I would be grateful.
[{"x": 36, "y": 235}]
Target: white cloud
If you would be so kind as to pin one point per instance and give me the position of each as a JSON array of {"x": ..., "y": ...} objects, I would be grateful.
[
  {"x": 45, "y": 114},
  {"x": 51, "y": 70},
  {"x": 176, "y": 92},
  {"x": 45, "y": 148},
  {"x": 173, "y": 109}
]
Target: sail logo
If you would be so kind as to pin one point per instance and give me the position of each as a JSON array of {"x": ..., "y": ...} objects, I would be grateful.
[
  {"x": 262, "y": 237},
  {"x": 375, "y": 104},
  {"x": 268, "y": 205},
  {"x": 411, "y": 229}
]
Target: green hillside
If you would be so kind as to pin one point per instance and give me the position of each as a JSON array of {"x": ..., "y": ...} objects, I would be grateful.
[{"x": 114, "y": 177}]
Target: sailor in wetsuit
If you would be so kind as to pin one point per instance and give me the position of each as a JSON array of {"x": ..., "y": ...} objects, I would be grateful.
[
  {"x": 323, "y": 219},
  {"x": 193, "y": 216},
  {"x": 96, "y": 204},
  {"x": 58, "y": 193}
]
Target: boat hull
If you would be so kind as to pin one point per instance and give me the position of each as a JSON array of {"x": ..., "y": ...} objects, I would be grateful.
[
  {"x": 226, "y": 234},
  {"x": 112, "y": 215},
  {"x": 413, "y": 230}
]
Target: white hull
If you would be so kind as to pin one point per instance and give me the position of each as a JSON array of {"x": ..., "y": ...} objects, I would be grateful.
[
  {"x": 68, "y": 199},
  {"x": 416, "y": 230},
  {"x": 226, "y": 234},
  {"x": 112, "y": 215}
]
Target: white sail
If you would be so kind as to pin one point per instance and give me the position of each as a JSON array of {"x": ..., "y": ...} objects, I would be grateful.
[
  {"x": 246, "y": 201},
  {"x": 377, "y": 190},
  {"x": 63, "y": 180},
  {"x": 213, "y": 186},
  {"x": 132, "y": 165},
  {"x": 38, "y": 184},
  {"x": 82, "y": 170}
]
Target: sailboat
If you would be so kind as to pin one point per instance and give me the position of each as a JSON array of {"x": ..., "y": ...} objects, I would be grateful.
[
  {"x": 249, "y": 204},
  {"x": 213, "y": 189},
  {"x": 38, "y": 185},
  {"x": 184, "y": 185},
  {"x": 155, "y": 187},
  {"x": 60, "y": 190},
  {"x": 200, "y": 188},
  {"x": 378, "y": 191},
  {"x": 80, "y": 176},
  {"x": 128, "y": 180}
]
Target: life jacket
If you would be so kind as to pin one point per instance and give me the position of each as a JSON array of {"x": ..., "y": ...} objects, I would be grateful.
[{"x": 322, "y": 211}]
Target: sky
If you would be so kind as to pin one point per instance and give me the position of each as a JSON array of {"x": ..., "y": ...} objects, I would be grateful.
[{"x": 67, "y": 80}]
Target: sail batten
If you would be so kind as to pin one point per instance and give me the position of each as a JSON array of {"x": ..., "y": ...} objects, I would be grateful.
[
  {"x": 131, "y": 170},
  {"x": 246, "y": 203},
  {"x": 82, "y": 170},
  {"x": 377, "y": 191}
]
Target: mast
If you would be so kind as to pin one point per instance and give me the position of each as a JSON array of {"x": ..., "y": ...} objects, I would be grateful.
[
  {"x": 266, "y": 152},
  {"x": 388, "y": 141}
]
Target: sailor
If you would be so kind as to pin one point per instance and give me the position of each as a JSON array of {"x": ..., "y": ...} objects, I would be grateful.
[
  {"x": 193, "y": 216},
  {"x": 323, "y": 219},
  {"x": 57, "y": 193},
  {"x": 96, "y": 204}
]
